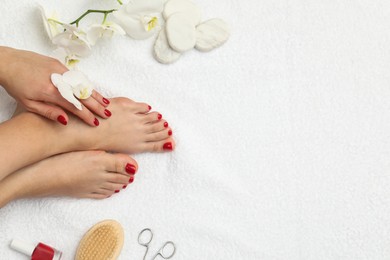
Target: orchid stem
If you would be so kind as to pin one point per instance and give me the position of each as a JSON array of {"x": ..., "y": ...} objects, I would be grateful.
[
  {"x": 105, "y": 12},
  {"x": 120, "y": 2},
  {"x": 104, "y": 19}
]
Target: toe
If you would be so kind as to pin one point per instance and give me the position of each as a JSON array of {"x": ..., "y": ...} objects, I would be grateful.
[
  {"x": 151, "y": 117},
  {"x": 115, "y": 178},
  {"x": 122, "y": 164},
  {"x": 113, "y": 187},
  {"x": 142, "y": 108},
  {"x": 135, "y": 107},
  {"x": 157, "y": 126},
  {"x": 158, "y": 136}
]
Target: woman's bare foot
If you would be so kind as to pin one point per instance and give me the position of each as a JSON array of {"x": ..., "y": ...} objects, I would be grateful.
[
  {"x": 130, "y": 129},
  {"x": 90, "y": 174}
]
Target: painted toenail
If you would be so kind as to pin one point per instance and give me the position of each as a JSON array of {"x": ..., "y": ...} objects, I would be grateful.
[
  {"x": 117, "y": 191},
  {"x": 124, "y": 186},
  {"x": 131, "y": 179},
  {"x": 107, "y": 112},
  {"x": 106, "y": 101},
  {"x": 96, "y": 122},
  {"x": 130, "y": 169},
  {"x": 165, "y": 124},
  {"x": 168, "y": 146},
  {"x": 150, "y": 108},
  {"x": 159, "y": 116},
  {"x": 170, "y": 132},
  {"x": 62, "y": 120}
]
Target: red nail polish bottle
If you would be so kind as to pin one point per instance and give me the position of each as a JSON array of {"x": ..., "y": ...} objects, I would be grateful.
[{"x": 37, "y": 252}]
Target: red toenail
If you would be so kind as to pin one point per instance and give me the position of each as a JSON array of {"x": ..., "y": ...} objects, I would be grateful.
[
  {"x": 168, "y": 146},
  {"x": 130, "y": 169},
  {"x": 150, "y": 108},
  {"x": 107, "y": 112},
  {"x": 106, "y": 101},
  {"x": 131, "y": 179},
  {"x": 165, "y": 124},
  {"x": 124, "y": 186},
  {"x": 96, "y": 122},
  {"x": 117, "y": 191},
  {"x": 170, "y": 132},
  {"x": 62, "y": 120},
  {"x": 159, "y": 116}
]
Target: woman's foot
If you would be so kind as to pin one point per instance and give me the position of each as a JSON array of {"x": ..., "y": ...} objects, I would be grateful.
[
  {"x": 90, "y": 174},
  {"x": 131, "y": 128}
]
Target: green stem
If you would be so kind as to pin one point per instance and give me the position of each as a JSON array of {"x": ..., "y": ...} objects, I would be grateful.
[
  {"x": 105, "y": 12},
  {"x": 104, "y": 19},
  {"x": 120, "y": 2}
]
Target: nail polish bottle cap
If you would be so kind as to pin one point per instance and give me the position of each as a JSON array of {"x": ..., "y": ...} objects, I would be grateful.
[{"x": 22, "y": 246}]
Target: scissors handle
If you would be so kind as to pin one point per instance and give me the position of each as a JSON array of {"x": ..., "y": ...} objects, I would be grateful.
[
  {"x": 145, "y": 244},
  {"x": 140, "y": 234},
  {"x": 161, "y": 251}
]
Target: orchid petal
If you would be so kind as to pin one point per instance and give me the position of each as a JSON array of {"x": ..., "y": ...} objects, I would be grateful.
[
  {"x": 67, "y": 93},
  {"x": 74, "y": 41},
  {"x": 133, "y": 24},
  {"x": 97, "y": 31},
  {"x": 82, "y": 87},
  {"x": 82, "y": 91},
  {"x": 144, "y": 6},
  {"x": 73, "y": 83},
  {"x": 94, "y": 33},
  {"x": 56, "y": 78},
  {"x": 64, "y": 56},
  {"x": 51, "y": 28},
  {"x": 77, "y": 47},
  {"x": 74, "y": 77},
  {"x": 115, "y": 28}
]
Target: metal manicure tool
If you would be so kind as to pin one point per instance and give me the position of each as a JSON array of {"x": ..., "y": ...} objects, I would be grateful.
[{"x": 161, "y": 252}]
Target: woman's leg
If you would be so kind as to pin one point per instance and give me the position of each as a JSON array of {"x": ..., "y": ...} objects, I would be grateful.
[
  {"x": 89, "y": 174},
  {"x": 29, "y": 138}
]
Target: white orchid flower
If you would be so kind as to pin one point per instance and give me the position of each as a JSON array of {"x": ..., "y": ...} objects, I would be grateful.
[
  {"x": 52, "y": 28},
  {"x": 70, "y": 60},
  {"x": 97, "y": 31},
  {"x": 73, "y": 40},
  {"x": 73, "y": 84},
  {"x": 140, "y": 18}
]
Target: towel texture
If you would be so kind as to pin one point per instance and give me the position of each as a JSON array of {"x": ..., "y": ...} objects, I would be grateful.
[{"x": 283, "y": 135}]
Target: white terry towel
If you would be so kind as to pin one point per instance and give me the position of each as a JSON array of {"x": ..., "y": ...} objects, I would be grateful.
[{"x": 283, "y": 135}]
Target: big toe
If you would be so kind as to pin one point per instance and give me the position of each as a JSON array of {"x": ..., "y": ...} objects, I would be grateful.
[{"x": 121, "y": 164}]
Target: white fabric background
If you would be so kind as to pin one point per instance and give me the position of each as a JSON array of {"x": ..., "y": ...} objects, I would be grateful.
[{"x": 283, "y": 135}]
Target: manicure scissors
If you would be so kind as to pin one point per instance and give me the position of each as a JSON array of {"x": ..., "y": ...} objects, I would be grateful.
[{"x": 161, "y": 250}]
